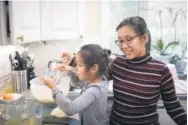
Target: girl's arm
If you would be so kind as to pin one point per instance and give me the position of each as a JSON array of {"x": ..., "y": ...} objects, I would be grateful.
[{"x": 71, "y": 107}]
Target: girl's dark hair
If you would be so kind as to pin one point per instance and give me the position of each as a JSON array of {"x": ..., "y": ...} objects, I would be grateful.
[
  {"x": 136, "y": 22},
  {"x": 94, "y": 54},
  {"x": 140, "y": 27}
]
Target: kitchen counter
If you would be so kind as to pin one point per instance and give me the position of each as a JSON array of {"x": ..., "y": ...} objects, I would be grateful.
[
  {"x": 16, "y": 109},
  {"x": 181, "y": 91},
  {"x": 47, "y": 108}
]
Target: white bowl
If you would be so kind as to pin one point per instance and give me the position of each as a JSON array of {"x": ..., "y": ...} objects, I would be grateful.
[{"x": 43, "y": 94}]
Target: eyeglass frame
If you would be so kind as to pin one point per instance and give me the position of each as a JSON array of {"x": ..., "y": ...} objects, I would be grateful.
[{"x": 127, "y": 42}]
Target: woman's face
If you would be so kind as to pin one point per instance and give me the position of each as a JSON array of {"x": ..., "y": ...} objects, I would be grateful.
[{"x": 130, "y": 43}]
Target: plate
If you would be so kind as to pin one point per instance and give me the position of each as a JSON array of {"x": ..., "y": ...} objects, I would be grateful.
[{"x": 16, "y": 97}]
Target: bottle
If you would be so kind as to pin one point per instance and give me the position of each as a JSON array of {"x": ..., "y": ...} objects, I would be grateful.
[{"x": 38, "y": 111}]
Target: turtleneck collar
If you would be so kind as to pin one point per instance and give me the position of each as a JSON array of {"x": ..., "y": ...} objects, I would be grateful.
[{"x": 140, "y": 60}]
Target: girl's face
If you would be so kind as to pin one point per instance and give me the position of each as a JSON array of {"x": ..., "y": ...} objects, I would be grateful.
[
  {"x": 130, "y": 43},
  {"x": 81, "y": 68}
]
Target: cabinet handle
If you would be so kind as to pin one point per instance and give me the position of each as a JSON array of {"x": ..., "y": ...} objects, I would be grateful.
[{"x": 21, "y": 37}]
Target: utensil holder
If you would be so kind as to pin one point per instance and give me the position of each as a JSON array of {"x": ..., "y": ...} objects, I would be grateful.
[{"x": 19, "y": 81}]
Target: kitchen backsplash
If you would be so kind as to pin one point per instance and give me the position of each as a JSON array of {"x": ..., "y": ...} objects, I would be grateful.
[
  {"x": 4, "y": 58},
  {"x": 52, "y": 50},
  {"x": 5, "y": 68}
]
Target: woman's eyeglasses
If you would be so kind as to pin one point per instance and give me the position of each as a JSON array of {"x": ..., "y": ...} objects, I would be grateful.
[{"x": 127, "y": 41}]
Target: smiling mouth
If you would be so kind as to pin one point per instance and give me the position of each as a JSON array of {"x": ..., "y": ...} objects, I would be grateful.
[{"x": 127, "y": 52}]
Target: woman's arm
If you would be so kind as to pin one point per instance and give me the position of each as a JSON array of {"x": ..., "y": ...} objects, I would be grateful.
[
  {"x": 170, "y": 100},
  {"x": 71, "y": 107}
]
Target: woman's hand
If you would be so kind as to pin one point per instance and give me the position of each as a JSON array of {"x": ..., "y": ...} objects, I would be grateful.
[
  {"x": 67, "y": 57},
  {"x": 49, "y": 82}
]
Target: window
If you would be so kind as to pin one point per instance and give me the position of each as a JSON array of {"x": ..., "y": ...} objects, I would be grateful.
[{"x": 112, "y": 13}]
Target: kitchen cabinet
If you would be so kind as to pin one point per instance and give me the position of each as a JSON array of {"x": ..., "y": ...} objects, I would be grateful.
[
  {"x": 46, "y": 20},
  {"x": 3, "y": 24},
  {"x": 25, "y": 21},
  {"x": 61, "y": 20}
]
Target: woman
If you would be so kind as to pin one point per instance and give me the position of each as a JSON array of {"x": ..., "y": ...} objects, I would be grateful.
[{"x": 140, "y": 80}]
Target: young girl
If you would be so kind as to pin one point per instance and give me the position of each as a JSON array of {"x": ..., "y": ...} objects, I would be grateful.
[{"x": 92, "y": 103}]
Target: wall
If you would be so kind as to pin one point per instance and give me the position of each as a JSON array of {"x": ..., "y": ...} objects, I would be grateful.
[{"x": 4, "y": 58}]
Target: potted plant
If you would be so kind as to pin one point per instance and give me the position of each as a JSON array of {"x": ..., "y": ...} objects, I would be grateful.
[
  {"x": 162, "y": 50},
  {"x": 160, "y": 45}
]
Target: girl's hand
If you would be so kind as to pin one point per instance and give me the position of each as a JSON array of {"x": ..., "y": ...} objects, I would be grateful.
[
  {"x": 67, "y": 58},
  {"x": 63, "y": 67},
  {"x": 49, "y": 82}
]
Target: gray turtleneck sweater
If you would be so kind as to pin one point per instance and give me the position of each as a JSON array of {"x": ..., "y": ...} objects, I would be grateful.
[{"x": 92, "y": 103}]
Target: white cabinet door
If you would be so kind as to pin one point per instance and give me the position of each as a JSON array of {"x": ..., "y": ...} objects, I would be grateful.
[
  {"x": 61, "y": 20},
  {"x": 25, "y": 17}
]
